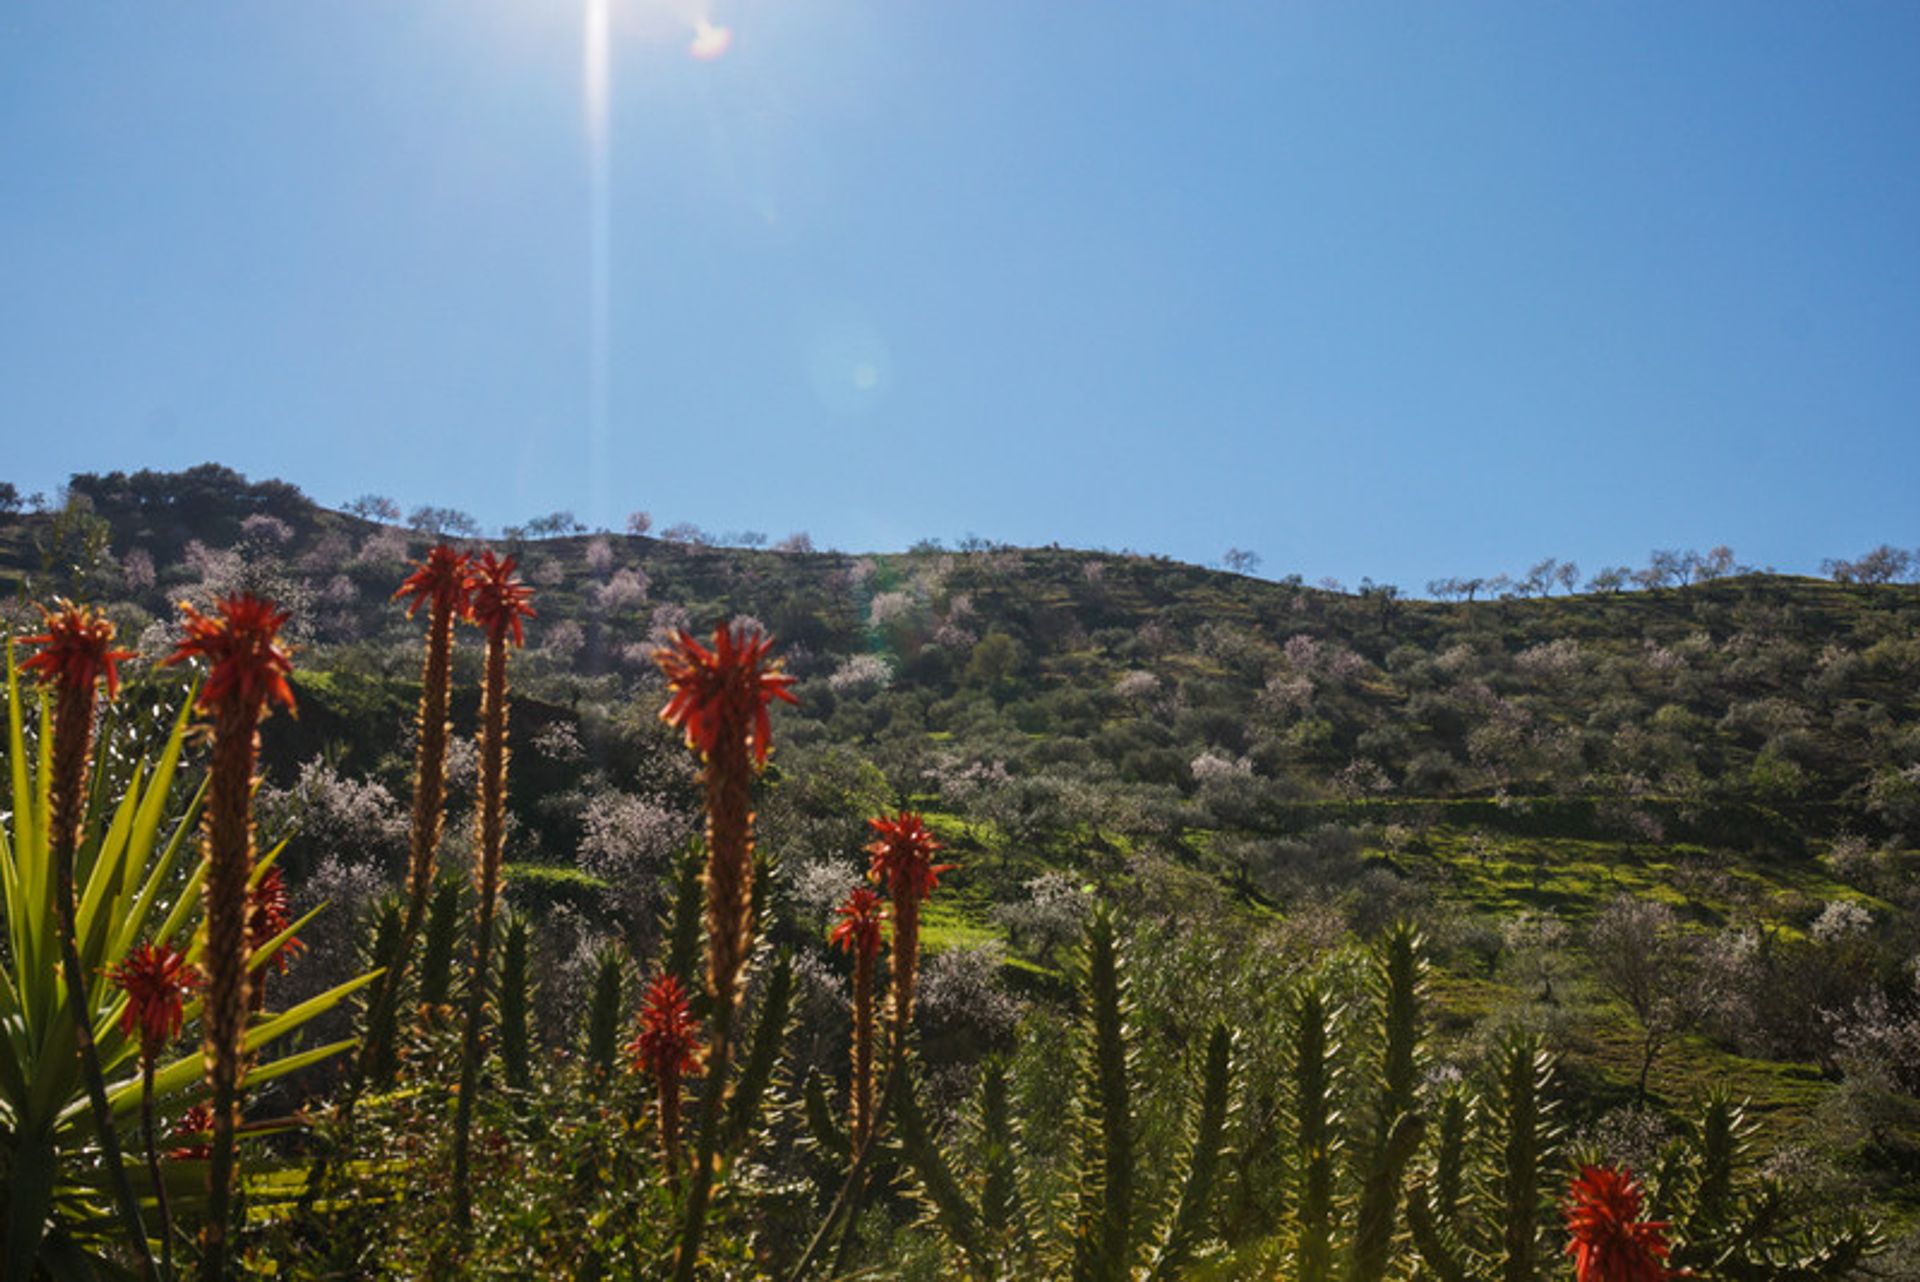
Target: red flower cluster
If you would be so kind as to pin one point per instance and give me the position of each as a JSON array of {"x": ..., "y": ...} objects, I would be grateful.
[
  {"x": 721, "y": 694},
  {"x": 499, "y": 601},
  {"x": 268, "y": 913},
  {"x": 668, "y": 1044},
  {"x": 1611, "y": 1243},
  {"x": 76, "y": 648},
  {"x": 241, "y": 640},
  {"x": 441, "y": 579},
  {"x": 156, "y": 981},
  {"x": 903, "y": 857},
  {"x": 195, "y": 1123},
  {"x": 861, "y": 923}
]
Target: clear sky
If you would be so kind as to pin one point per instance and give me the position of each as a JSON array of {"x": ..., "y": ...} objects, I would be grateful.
[{"x": 1392, "y": 290}]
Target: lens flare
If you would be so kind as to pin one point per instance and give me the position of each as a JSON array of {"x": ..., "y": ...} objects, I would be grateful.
[{"x": 709, "y": 41}]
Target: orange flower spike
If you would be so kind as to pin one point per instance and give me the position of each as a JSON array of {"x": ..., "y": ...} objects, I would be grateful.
[
  {"x": 723, "y": 692},
  {"x": 76, "y": 648},
  {"x": 1611, "y": 1243},
  {"x": 268, "y": 913},
  {"x": 903, "y": 857},
  {"x": 861, "y": 924},
  {"x": 241, "y": 643},
  {"x": 442, "y": 579},
  {"x": 195, "y": 1123},
  {"x": 156, "y": 981},
  {"x": 499, "y": 601},
  {"x": 668, "y": 1043}
]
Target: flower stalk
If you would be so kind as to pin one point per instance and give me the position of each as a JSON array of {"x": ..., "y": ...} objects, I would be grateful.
[
  {"x": 499, "y": 603},
  {"x": 248, "y": 674},
  {"x": 440, "y": 582},
  {"x": 667, "y": 1048},
  {"x": 156, "y": 981},
  {"x": 861, "y": 931},
  {"x": 902, "y": 862},
  {"x": 719, "y": 697},
  {"x": 76, "y": 657}
]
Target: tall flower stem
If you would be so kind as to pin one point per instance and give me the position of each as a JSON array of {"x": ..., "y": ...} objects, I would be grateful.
[
  {"x": 76, "y": 658},
  {"x": 441, "y": 582},
  {"x": 153, "y": 1166},
  {"x": 720, "y": 697},
  {"x": 499, "y": 604},
  {"x": 249, "y": 671},
  {"x": 861, "y": 931}
]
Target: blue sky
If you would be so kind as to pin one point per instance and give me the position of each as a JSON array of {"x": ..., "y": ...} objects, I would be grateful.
[{"x": 1388, "y": 290}]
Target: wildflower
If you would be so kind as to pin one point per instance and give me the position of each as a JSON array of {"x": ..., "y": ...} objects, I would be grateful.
[
  {"x": 859, "y": 931},
  {"x": 156, "y": 981},
  {"x": 902, "y": 855},
  {"x": 440, "y": 579},
  {"x": 667, "y": 1048},
  {"x": 75, "y": 651},
  {"x": 75, "y": 657},
  {"x": 240, "y": 640},
  {"x": 721, "y": 695},
  {"x": 193, "y": 1124},
  {"x": 249, "y": 670},
  {"x": 499, "y": 601},
  {"x": 1611, "y": 1243}
]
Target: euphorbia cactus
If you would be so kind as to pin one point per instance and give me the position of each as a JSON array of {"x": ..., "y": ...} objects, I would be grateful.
[
  {"x": 719, "y": 698},
  {"x": 667, "y": 1048},
  {"x": 76, "y": 656},
  {"x": 156, "y": 980},
  {"x": 860, "y": 931},
  {"x": 902, "y": 862},
  {"x": 500, "y": 602},
  {"x": 988, "y": 1230},
  {"x": 249, "y": 670}
]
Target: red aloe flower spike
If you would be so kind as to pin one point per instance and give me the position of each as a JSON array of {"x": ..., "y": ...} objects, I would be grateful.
[
  {"x": 498, "y": 600},
  {"x": 903, "y": 862},
  {"x": 241, "y": 642},
  {"x": 1611, "y": 1243},
  {"x": 76, "y": 655},
  {"x": 250, "y": 667},
  {"x": 268, "y": 913},
  {"x": 156, "y": 981},
  {"x": 196, "y": 1121},
  {"x": 859, "y": 931},
  {"x": 441, "y": 579},
  {"x": 862, "y": 924},
  {"x": 903, "y": 857},
  {"x": 667, "y": 1047},
  {"x": 76, "y": 648},
  {"x": 723, "y": 692}
]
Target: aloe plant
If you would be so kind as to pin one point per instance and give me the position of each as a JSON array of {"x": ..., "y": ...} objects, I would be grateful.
[{"x": 128, "y": 868}]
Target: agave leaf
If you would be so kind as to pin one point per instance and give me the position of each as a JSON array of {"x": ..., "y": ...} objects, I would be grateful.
[
  {"x": 136, "y": 917},
  {"x": 104, "y": 879}
]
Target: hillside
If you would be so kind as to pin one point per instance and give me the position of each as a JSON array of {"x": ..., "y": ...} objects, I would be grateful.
[{"x": 1231, "y": 759}]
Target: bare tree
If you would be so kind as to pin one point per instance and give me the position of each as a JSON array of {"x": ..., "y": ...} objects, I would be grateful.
[
  {"x": 375, "y": 507},
  {"x": 1567, "y": 575},
  {"x": 1643, "y": 958},
  {"x": 1241, "y": 560},
  {"x": 639, "y": 522},
  {"x": 1884, "y": 564}
]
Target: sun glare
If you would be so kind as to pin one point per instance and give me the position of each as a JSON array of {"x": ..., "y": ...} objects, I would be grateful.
[{"x": 709, "y": 41}]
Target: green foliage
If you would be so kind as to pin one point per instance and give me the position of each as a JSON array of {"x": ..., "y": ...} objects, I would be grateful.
[
  {"x": 136, "y": 881},
  {"x": 437, "y": 954},
  {"x": 514, "y": 995},
  {"x": 606, "y": 1009}
]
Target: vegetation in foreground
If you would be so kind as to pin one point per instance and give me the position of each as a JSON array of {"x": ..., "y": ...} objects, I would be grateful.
[{"x": 1157, "y": 1029}]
